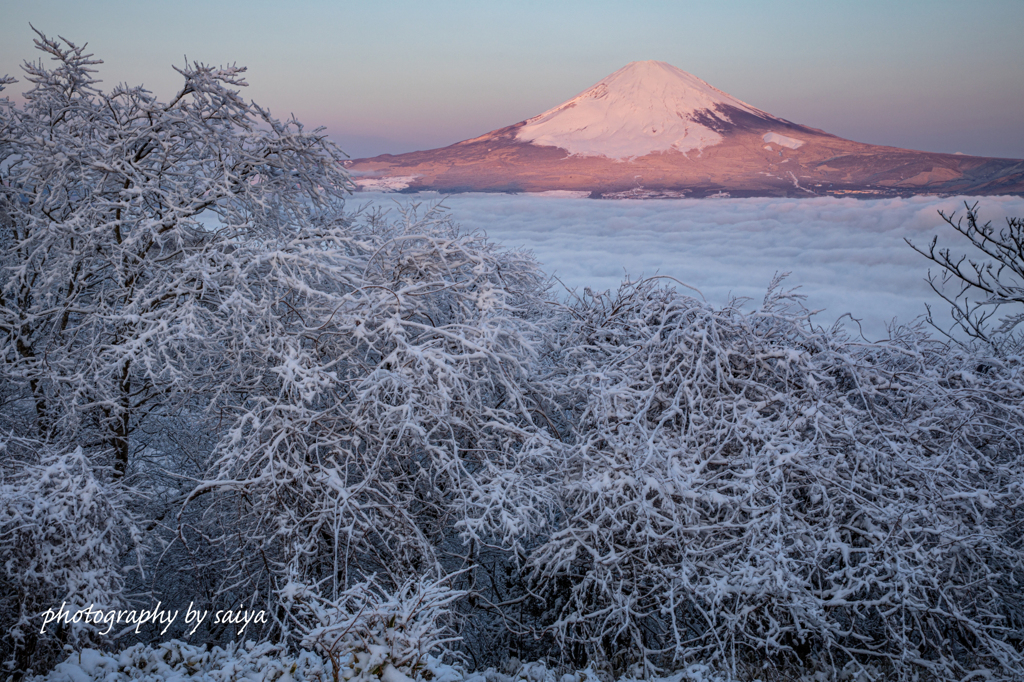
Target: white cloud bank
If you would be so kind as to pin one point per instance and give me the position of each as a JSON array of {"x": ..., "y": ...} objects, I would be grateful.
[{"x": 847, "y": 255}]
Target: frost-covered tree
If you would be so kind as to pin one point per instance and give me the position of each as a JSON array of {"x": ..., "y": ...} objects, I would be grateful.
[
  {"x": 120, "y": 216},
  {"x": 391, "y": 428},
  {"x": 126, "y": 229},
  {"x": 749, "y": 490},
  {"x": 306, "y": 396}
]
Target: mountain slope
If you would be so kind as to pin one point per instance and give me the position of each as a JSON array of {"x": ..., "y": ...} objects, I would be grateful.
[
  {"x": 650, "y": 130},
  {"x": 642, "y": 108}
]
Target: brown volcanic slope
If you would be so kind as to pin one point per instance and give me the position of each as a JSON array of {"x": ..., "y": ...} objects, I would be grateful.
[{"x": 651, "y": 130}]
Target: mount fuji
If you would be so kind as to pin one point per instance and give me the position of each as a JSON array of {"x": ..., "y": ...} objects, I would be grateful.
[{"x": 650, "y": 130}]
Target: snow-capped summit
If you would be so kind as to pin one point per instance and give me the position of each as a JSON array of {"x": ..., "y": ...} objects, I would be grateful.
[
  {"x": 652, "y": 130},
  {"x": 643, "y": 107}
]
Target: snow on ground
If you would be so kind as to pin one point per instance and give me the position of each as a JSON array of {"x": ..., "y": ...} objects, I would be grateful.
[
  {"x": 643, "y": 107},
  {"x": 177, "y": 661},
  {"x": 847, "y": 255},
  {"x": 562, "y": 194},
  {"x": 392, "y": 184},
  {"x": 783, "y": 141}
]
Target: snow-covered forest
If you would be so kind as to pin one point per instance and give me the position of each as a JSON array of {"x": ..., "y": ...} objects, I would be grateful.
[{"x": 414, "y": 458}]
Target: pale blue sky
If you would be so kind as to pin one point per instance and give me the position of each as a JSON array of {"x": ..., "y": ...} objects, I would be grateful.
[{"x": 397, "y": 76}]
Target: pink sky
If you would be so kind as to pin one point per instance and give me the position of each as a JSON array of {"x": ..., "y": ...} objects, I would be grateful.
[{"x": 399, "y": 76}]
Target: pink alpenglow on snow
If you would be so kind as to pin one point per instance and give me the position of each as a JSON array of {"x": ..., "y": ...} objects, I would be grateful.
[
  {"x": 643, "y": 107},
  {"x": 783, "y": 141}
]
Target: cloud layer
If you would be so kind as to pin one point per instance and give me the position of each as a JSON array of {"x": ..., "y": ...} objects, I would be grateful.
[{"x": 846, "y": 255}]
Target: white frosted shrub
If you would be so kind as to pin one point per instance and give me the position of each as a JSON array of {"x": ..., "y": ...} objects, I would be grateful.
[
  {"x": 390, "y": 423},
  {"x": 176, "y": 661},
  {"x": 747, "y": 489},
  {"x": 65, "y": 535},
  {"x": 369, "y": 632}
]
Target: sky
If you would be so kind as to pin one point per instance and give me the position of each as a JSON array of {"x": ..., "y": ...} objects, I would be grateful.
[
  {"x": 846, "y": 255},
  {"x": 396, "y": 76}
]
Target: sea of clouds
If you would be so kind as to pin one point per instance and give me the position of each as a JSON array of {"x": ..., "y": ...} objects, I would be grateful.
[{"x": 846, "y": 255}]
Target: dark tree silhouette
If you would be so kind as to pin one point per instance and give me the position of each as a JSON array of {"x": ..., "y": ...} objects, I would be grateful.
[{"x": 985, "y": 290}]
